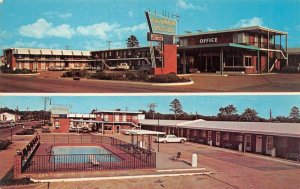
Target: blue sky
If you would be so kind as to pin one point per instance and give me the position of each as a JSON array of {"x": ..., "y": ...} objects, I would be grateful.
[
  {"x": 203, "y": 104},
  {"x": 88, "y": 24}
]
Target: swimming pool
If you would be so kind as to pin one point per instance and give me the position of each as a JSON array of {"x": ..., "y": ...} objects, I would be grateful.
[{"x": 82, "y": 154}]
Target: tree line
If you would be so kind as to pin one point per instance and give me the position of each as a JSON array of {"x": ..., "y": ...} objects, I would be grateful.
[
  {"x": 227, "y": 113},
  {"x": 28, "y": 115}
]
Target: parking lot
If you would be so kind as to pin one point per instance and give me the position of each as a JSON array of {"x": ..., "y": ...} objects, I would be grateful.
[{"x": 48, "y": 81}]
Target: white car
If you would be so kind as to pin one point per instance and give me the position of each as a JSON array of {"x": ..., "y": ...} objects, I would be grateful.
[
  {"x": 123, "y": 66},
  {"x": 171, "y": 138}
]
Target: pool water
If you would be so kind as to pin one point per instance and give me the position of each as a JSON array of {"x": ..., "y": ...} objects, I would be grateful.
[{"x": 82, "y": 154}]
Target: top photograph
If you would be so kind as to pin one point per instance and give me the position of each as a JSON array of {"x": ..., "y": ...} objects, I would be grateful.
[{"x": 139, "y": 46}]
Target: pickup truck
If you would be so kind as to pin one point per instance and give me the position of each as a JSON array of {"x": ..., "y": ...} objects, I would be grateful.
[{"x": 171, "y": 138}]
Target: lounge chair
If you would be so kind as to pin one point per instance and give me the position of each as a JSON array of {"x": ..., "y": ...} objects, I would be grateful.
[
  {"x": 177, "y": 157},
  {"x": 94, "y": 160}
]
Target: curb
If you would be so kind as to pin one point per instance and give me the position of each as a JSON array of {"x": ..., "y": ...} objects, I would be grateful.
[
  {"x": 23, "y": 74},
  {"x": 117, "y": 177},
  {"x": 133, "y": 82}
]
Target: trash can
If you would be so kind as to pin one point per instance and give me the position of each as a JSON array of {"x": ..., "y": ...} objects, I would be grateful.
[
  {"x": 273, "y": 152},
  {"x": 240, "y": 147},
  {"x": 194, "y": 160}
]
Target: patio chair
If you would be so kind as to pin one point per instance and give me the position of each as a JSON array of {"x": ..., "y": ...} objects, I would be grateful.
[
  {"x": 177, "y": 157},
  {"x": 93, "y": 160}
]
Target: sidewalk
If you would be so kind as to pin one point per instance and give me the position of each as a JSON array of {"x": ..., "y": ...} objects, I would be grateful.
[{"x": 7, "y": 156}]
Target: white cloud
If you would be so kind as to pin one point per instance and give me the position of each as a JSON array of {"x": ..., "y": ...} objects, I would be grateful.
[
  {"x": 184, "y": 4},
  {"x": 130, "y": 13},
  {"x": 41, "y": 29},
  {"x": 135, "y": 28},
  {"x": 52, "y": 14},
  {"x": 65, "y": 15},
  {"x": 33, "y": 44},
  {"x": 105, "y": 31},
  {"x": 210, "y": 29},
  {"x": 100, "y": 30},
  {"x": 255, "y": 21},
  {"x": 1, "y": 1}
]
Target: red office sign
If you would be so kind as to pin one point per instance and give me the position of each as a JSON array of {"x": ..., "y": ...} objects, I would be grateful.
[
  {"x": 209, "y": 40},
  {"x": 156, "y": 37}
]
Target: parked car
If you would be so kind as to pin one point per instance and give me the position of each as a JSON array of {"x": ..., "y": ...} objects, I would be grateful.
[
  {"x": 123, "y": 66},
  {"x": 171, "y": 138},
  {"x": 56, "y": 68},
  {"x": 46, "y": 130},
  {"x": 26, "y": 132}
]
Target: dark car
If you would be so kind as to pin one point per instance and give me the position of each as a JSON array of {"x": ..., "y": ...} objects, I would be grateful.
[
  {"x": 46, "y": 130},
  {"x": 26, "y": 132}
]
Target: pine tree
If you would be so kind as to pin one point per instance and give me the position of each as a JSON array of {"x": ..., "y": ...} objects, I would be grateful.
[{"x": 176, "y": 107}]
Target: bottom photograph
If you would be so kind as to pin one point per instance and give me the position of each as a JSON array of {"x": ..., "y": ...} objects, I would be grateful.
[{"x": 171, "y": 141}]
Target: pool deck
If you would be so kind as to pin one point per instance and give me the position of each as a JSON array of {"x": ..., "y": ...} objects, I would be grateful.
[{"x": 43, "y": 164}]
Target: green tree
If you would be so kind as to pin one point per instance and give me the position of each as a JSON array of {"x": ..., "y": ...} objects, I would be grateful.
[
  {"x": 176, "y": 107},
  {"x": 249, "y": 115},
  {"x": 132, "y": 41},
  {"x": 227, "y": 111},
  {"x": 294, "y": 113}
]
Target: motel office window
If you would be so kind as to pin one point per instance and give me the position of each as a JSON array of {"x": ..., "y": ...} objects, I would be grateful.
[
  {"x": 203, "y": 134},
  {"x": 208, "y": 135},
  {"x": 105, "y": 117},
  {"x": 248, "y": 61},
  {"x": 269, "y": 142},
  {"x": 117, "y": 118}
]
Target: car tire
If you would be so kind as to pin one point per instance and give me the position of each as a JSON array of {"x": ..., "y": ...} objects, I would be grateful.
[
  {"x": 182, "y": 141},
  {"x": 164, "y": 141}
]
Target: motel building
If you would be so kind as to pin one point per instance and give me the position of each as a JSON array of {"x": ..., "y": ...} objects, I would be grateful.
[
  {"x": 268, "y": 138},
  {"x": 6, "y": 116},
  {"x": 42, "y": 59},
  {"x": 247, "y": 50},
  {"x": 102, "y": 121}
]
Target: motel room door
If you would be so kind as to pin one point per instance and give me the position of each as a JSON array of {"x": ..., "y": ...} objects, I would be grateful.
[
  {"x": 218, "y": 138},
  {"x": 258, "y": 148},
  {"x": 269, "y": 145},
  {"x": 248, "y": 142}
]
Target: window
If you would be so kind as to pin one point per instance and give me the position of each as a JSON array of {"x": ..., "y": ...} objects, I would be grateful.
[
  {"x": 246, "y": 38},
  {"x": 283, "y": 142},
  {"x": 256, "y": 40},
  {"x": 203, "y": 133},
  {"x": 117, "y": 118},
  {"x": 226, "y": 136},
  {"x": 248, "y": 61},
  {"x": 239, "y": 138},
  {"x": 105, "y": 117}
]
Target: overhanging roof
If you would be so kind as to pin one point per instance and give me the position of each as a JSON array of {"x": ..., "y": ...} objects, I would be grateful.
[
  {"x": 236, "y": 30},
  {"x": 111, "y": 111},
  {"x": 265, "y": 128},
  {"x": 143, "y": 132},
  {"x": 216, "y": 45}
]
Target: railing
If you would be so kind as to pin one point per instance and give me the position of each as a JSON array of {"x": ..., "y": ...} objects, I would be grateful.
[{"x": 123, "y": 155}]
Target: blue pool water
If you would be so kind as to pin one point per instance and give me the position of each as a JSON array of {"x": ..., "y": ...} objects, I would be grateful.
[{"x": 82, "y": 154}]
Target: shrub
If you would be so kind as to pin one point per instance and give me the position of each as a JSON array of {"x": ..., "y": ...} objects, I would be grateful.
[
  {"x": 76, "y": 73},
  {"x": 167, "y": 78},
  {"x": 4, "y": 144},
  {"x": 290, "y": 69}
]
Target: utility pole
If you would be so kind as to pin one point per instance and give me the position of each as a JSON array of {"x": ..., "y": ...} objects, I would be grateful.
[
  {"x": 108, "y": 43},
  {"x": 45, "y": 108}
]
